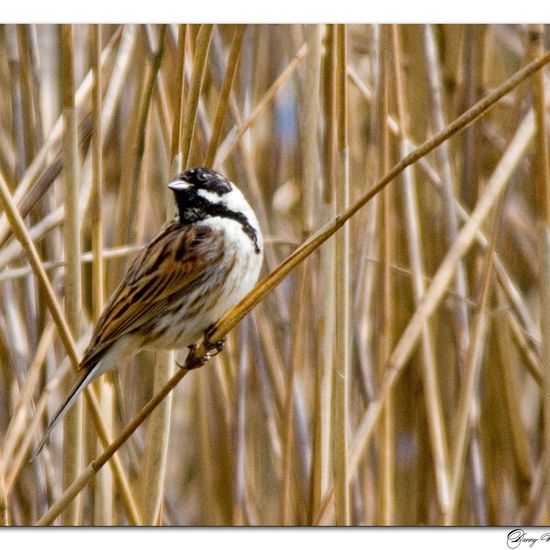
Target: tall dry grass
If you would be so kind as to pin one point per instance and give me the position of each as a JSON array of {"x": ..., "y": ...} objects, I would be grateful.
[{"x": 394, "y": 365}]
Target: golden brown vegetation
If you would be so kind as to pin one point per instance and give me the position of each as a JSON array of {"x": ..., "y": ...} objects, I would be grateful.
[{"x": 396, "y": 375}]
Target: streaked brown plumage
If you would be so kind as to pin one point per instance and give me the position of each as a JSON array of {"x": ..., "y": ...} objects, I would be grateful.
[{"x": 172, "y": 261}]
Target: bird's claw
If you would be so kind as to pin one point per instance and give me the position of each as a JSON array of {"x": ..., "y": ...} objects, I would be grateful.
[
  {"x": 193, "y": 361},
  {"x": 215, "y": 347}
]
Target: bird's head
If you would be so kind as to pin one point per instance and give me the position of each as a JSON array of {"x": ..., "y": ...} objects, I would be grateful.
[{"x": 203, "y": 193}]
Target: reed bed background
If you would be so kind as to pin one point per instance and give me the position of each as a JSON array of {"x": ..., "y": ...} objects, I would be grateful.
[{"x": 396, "y": 376}]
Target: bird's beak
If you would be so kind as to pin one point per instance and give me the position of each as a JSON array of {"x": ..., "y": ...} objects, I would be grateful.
[{"x": 179, "y": 185}]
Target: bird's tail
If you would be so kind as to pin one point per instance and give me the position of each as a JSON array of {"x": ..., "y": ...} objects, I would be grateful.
[{"x": 83, "y": 378}]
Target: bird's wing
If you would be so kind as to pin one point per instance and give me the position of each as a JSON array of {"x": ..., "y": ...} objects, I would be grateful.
[{"x": 175, "y": 259}]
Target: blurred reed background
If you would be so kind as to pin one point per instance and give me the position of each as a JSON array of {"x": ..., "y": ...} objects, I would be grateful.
[{"x": 397, "y": 376}]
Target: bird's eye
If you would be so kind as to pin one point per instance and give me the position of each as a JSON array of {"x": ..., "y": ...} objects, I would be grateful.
[{"x": 201, "y": 175}]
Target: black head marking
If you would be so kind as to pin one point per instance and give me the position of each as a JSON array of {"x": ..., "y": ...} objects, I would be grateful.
[
  {"x": 207, "y": 179},
  {"x": 193, "y": 207}
]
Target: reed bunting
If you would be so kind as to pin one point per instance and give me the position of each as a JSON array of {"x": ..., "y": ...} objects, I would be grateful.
[{"x": 197, "y": 268}]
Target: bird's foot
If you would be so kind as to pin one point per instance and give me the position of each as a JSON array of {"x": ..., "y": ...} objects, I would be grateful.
[
  {"x": 212, "y": 348},
  {"x": 193, "y": 361}
]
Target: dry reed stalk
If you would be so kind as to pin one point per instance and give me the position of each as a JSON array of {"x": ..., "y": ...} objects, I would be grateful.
[
  {"x": 72, "y": 423},
  {"x": 126, "y": 230},
  {"x": 17, "y": 423},
  {"x": 509, "y": 370},
  {"x": 180, "y": 89},
  {"x": 542, "y": 195},
  {"x": 342, "y": 357},
  {"x": 239, "y": 501},
  {"x": 289, "y": 509},
  {"x": 328, "y": 254},
  {"x": 16, "y": 102},
  {"x": 53, "y": 139},
  {"x": 97, "y": 176},
  {"x": 443, "y": 277},
  {"x": 432, "y": 393},
  {"x": 461, "y": 316},
  {"x": 232, "y": 140},
  {"x": 156, "y": 446},
  {"x": 386, "y": 246},
  {"x": 227, "y": 86},
  {"x": 195, "y": 87},
  {"x": 506, "y": 282},
  {"x": 310, "y": 178},
  {"x": 4, "y": 513},
  {"x": 473, "y": 66},
  {"x": 468, "y": 404},
  {"x": 544, "y": 255},
  {"x": 103, "y": 494},
  {"x": 434, "y": 71},
  {"x": 22, "y": 235},
  {"x": 25, "y": 86}
]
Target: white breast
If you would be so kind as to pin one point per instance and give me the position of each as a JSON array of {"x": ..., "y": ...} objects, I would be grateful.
[
  {"x": 248, "y": 262},
  {"x": 217, "y": 299}
]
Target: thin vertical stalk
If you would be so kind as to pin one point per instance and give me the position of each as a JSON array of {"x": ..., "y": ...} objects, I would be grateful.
[
  {"x": 16, "y": 103},
  {"x": 180, "y": 90},
  {"x": 328, "y": 253},
  {"x": 542, "y": 196},
  {"x": 451, "y": 220},
  {"x": 227, "y": 86},
  {"x": 158, "y": 432},
  {"x": 474, "y": 60},
  {"x": 542, "y": 163},
  {"x": 468, "y": 406},
  {"x": 387, "y": 468},
  {"x": 156, "y": 444},
  {"x": 290, "y": 495},
  {"x": 197, "y": 78},
  {"x": 342, "y": 355},
  {"x": 234, "y": 137},
  {"x": 239, "y": 515},
  {"x": 432, "y": 394},
  {"x": 544, "y": 255},
  {"x": 97, "y": 176},
  {"x": 25, "y": 86},
  {"x": 126, "y": 230},
  {"x": 311, "y": 108},
  {"x": 512, "y": 392},
  {"x": 3, "y": 501},
  {"x": 72, "y": 441},
  {"x": 103, "y": 496},
  {"x": 460, "y": 311}
]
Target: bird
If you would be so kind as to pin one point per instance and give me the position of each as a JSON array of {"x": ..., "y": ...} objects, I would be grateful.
[{"x": 182, "y": 282}]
